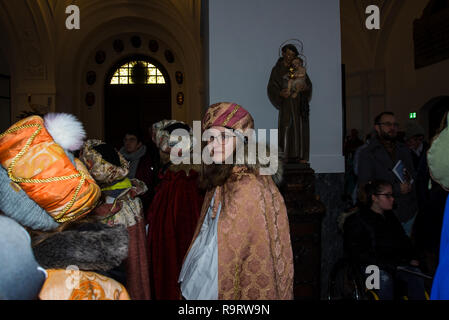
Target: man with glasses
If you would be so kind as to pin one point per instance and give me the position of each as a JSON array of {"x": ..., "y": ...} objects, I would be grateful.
[{"x": 377, "y": 161}]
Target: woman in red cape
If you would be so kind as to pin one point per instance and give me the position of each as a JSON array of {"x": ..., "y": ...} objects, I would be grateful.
[{"x": 172, "y": 216}]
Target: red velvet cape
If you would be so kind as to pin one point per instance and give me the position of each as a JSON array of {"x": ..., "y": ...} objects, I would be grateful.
[{"x": 172, "y": 218}]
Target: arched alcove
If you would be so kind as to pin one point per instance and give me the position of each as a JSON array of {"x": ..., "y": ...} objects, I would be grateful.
[
  {"x": 432, "y": 112},
  {"x": 51, "y": 62},
  {"x": 5, "y": 83},
  {"x": 130, "y": 102},
  {"x": 115, "y": 49}
]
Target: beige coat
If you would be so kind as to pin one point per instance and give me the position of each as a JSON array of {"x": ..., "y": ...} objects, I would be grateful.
[{"x": 255, "y": 259}]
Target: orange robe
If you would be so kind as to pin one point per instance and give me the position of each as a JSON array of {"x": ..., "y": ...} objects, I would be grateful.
[
  {"x": 81, "y": 285},
  {"x": 255, "y": 259}
]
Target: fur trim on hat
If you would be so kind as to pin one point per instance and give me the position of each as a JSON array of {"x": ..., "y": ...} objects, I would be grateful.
[
  {"x": 263, "y": 164},
  {"x": 90, "y": 247},
  {"x": 66, "y": 130}
]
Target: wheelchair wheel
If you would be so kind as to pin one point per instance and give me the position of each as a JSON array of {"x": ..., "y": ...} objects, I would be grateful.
[
  {"x": 372, "y": 295},
  {"x": 344, "y": 283},
  {"x": 426, "y": 295}
]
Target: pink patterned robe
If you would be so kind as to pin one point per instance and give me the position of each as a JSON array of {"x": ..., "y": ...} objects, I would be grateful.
[{"x": 255, "y": 259}]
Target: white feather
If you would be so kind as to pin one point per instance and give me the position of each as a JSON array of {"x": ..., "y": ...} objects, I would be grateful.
[{"x": 66, "y": 130}]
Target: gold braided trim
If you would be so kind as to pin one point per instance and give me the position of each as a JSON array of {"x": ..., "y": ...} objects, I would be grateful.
[
  {"x": 79, "y": 214},
  {"x": 48, "y": 180},
  {"x": 70, "y": 204},
  {"x": 229, "y": 117}
]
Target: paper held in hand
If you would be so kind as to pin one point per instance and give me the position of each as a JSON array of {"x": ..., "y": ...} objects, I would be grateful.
[{"x": 401, "y": 172}]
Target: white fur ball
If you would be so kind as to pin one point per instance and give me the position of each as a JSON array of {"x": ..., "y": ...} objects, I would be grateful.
[{"x": 66, "y": 130}]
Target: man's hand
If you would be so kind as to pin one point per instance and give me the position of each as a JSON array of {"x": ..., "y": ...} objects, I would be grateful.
[
  {"x": 406, "y": 188},
  {"x": 284, "y": 93}
]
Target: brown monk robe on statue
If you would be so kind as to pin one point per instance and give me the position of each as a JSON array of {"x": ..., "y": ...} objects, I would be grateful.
[{"x": 293, "y": 108}]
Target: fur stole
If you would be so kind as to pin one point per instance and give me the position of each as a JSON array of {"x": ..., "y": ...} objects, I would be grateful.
[{"x": 90, "y": 247}]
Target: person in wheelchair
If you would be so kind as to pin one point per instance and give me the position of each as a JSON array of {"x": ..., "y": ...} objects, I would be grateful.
[{"x": 374, "y": 236}]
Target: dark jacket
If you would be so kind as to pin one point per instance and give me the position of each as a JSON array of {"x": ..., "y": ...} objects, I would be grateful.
[
  {"x": 147, "y": 172},
  {"x": 431, "y": 203},
  {"x": 375, "y": 163},
  {"x": 374, "y": 239}
]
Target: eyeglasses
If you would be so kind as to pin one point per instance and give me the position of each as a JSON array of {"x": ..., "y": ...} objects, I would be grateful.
[
  {"x": 223, "y": 137},
  {"x": 389, "y": 124},
  {"x": 388, "y": 195}
]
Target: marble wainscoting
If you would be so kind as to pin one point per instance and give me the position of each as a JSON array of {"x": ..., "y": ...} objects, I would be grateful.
[{"x": 329, "y": 187}]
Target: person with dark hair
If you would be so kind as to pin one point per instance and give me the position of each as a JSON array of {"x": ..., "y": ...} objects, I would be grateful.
[
  {"x": 378, "y": 160},
  {"x": 142, "y": 163},
  {"x": 414, "y": 139},
  {"x": 374, "y": 236},
  {"x": 121, "y": 206},
  {"x": 293, "y": 107},
  {"x": 174, "y": 211}
]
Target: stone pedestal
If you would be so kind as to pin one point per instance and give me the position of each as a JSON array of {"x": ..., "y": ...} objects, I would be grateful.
[{"x": 305, "y": 213}]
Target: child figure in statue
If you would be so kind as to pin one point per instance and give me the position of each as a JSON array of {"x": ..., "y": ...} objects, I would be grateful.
[{"x": 296, "y": 77}]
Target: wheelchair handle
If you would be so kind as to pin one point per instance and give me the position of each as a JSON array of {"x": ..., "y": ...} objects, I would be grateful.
[{"x": 414, "y": 272}]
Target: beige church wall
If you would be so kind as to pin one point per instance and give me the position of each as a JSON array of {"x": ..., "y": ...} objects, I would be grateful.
[
  {"x": 408, "y": 89},
  {"x": 245, "y": 37},
  {"x": 50, "y": 62},
  {"x": 5, "y": 102},
  {"x": 93, "y": 115},
  {"x": 380, "y": 72},
  {"x": 362, "y": 52},
  {"x": 150, "y": 20},
  {"x": 30, "y": 50}
]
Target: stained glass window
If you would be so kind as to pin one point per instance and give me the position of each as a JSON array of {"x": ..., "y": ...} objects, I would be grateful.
[{"x": 124, "y": 74}]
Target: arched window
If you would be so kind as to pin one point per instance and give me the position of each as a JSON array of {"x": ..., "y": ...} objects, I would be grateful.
[{"x": 138, "y": 72}]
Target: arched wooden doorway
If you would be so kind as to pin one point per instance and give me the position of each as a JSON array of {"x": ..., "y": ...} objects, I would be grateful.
[
  {"x": 137, "y": 94},
  {"x": 433, "y": 112}
]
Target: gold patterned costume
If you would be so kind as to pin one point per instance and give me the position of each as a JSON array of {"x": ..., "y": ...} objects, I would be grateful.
[{"x": 255, "y": 259}]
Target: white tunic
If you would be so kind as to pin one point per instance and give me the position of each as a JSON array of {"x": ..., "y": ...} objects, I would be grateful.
[{"x": 199, "y": 273}]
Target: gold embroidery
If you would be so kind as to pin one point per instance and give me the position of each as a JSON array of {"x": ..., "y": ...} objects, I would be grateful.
[
  {"x": 229, "y": 117},
  {"x": 236, "y": 282}
]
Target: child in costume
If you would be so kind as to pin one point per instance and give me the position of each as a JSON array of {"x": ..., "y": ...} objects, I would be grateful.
[
  {"x": 174, "y": 212},
  {"x": 121, "y": 205},
  {"x": 46, "y": 189},
  {"x": 241, "y": 248}
]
